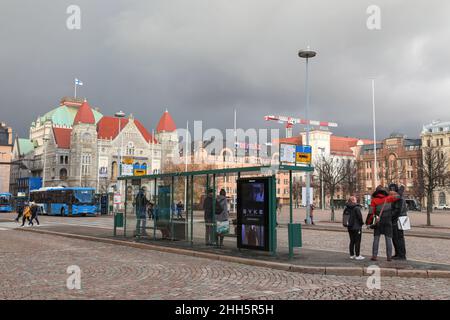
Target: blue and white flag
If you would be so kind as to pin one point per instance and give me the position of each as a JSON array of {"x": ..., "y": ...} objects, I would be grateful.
[{"x": 78, "y": 82}]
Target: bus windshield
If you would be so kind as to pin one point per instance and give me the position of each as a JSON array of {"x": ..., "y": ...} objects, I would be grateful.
[
  {"x": 84, "y": 196},
  {"x": 5, "y": 199}
]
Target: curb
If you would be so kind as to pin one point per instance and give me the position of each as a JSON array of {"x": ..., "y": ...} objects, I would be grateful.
[
  {"x": 338, "y": 271},
  {"x": 332, "y": 229}
]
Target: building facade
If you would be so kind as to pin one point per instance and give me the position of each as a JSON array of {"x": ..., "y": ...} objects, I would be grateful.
[
  {"x": 437, "y": 135},
  {"x": 6, "y": 146},
  {"x": 398, "y": 159},
  {"x": 74, "y": 145}
]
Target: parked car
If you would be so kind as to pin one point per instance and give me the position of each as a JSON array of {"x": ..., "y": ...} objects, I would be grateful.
[{"x": 442, "y": 207}]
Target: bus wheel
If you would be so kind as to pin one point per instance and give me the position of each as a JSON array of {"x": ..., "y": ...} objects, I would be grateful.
[{"x": 63, "y": 212}]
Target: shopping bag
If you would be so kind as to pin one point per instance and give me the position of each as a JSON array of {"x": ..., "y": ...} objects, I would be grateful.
[
  {"x": 404, "y": 223},
  {"x": 223, "y": 227}
]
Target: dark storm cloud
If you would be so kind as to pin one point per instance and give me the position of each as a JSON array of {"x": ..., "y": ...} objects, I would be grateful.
[{"x": 201, "y": 59}]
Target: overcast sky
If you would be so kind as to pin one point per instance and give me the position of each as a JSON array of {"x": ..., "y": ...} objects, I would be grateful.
[{"x": 200, "y": 59}]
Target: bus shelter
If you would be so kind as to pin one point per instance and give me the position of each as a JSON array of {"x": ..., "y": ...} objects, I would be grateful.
[{"x": 177, "y": 209}]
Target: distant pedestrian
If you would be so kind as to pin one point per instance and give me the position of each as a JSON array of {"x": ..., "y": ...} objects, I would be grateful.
[
  {"x": 379, "y": 218},
  {"x": 20, "y": 209},
  {"x": 353, "y": 221},
  {"x": 34, "y": 214},
  {"x": 150, "y": 210},
  {"x": 26, "y": 215},
  {"x": 223, "y": 225},
  {"x": 140, "y": 204},
  {"x": 180, "y": 208},
  {"x": 312, "y": 207},
  {"x": 208, "y": 215}
]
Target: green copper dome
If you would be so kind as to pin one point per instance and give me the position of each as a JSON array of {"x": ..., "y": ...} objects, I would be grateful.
[{"x": 64, "y": 116}]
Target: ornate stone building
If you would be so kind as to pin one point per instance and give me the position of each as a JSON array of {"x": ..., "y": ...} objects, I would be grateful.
[
  {"x": 75, "y": 145},
  {"x": 437, "y": 134},
  {"x": 397, "y": 161}
]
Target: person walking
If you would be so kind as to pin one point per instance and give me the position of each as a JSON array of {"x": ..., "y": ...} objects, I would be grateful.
[
  {"x": 400, "y": 209},
  {"x": 180, "y": 208},
  {"x": 140, "y": 204},
  {"x": 311, "y": 214},
  {"x": 19, "y": 209},
  {"x": 26, "y": 214},
  {"x": 381, "y": 212},
  {"x": 354, "y": 222},
  {"x": 222, "y": 216},
  {"x": 34, "y": 214},
  {"x": 208, "y": 215}
]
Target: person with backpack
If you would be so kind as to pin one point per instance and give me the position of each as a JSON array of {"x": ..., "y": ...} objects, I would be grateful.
[
  {"x": 379, "y": 219},
  {"x": 353, "y": 221},
  {"x": 26, "y": 214}
]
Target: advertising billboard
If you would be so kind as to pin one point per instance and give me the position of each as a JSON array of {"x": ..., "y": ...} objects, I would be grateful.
[
  {"x": 253, "y": 213},
  {"x": 293, "y": 154}
]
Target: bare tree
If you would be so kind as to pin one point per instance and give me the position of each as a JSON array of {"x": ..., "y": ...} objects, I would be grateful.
[
  {"x": 433, "y": 172},
  {"x": 350, "y": 182},
  {"x": 334, "y": 172}
]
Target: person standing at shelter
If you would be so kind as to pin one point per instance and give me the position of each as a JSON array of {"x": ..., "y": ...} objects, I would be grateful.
[
  {"x": 140, "y": 204},
  {"x": 222, "y": 215},
  {"x": 208, "y": 215}
]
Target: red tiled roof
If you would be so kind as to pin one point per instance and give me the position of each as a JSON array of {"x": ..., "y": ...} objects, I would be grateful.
[
  {"x": 108, "y": 128},
  {"x": 166, "y": 123},
  {"x": 62, "y": 137},
  {"x": 84, "y": 114}
]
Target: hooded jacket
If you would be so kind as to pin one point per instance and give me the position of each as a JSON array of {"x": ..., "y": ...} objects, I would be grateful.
[
  {"x": 223, "y": 214},
  {"x": 355, "y": 220}
]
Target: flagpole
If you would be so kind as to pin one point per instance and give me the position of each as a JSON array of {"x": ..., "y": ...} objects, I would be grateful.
[{"x": 75, "y": 85}]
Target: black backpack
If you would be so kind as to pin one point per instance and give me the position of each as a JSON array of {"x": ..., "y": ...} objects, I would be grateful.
[{"x": 346, "y": 218}]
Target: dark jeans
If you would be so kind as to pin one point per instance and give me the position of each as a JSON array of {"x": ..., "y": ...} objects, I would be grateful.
[
  {"x": 398, "y": 240},
  {"x": 24, "y": 219},
  {"x": 355, "y": 241},
  {"x": 34, "y": 218}
]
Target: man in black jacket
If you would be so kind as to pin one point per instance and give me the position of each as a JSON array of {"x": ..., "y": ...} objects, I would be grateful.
[{"x": 399, "y": 209}]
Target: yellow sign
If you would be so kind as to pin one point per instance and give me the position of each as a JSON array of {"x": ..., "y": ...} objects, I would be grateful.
[
  {"x": 127, "y": 160},
  {"x": 303, "y": 157},
  {"x": 139, "y": 172}
]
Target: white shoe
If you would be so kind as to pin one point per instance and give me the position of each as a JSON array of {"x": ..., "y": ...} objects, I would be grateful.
[
  {"x": 352, "y": 257},
  {"x": 360, "y": 258}
]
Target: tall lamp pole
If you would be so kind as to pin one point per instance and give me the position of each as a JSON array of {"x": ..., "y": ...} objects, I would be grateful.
[
  {"x": 120, "y": 115},
  {"x": 374, "y": 135},
  {"x": 307, "y": 54}
]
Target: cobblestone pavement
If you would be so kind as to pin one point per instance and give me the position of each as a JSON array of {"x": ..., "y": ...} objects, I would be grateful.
[
  {"x": 420, "y": 249},
  {"x": 33, "y": 266}
]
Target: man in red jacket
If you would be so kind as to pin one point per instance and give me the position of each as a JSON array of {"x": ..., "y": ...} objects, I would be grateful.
[{"x": 381, "y": 206}]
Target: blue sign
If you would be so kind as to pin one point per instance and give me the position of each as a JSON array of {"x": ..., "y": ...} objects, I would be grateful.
[{"x": 303, "y": 149}]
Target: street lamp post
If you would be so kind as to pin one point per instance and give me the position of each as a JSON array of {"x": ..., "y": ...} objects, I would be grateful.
[
  {"x": 307, "y": 54},
  {"x": 120, "y": 115}
]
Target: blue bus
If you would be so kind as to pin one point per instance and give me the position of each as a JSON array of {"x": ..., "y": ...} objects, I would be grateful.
[
  {"x": 6, "y": 202},
  {"x": 65, "y": 201}
]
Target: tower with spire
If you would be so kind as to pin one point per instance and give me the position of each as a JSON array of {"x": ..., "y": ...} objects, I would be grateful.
[
  {"x": 83, "y": 148},
  {"x": 167, "y": 136}
]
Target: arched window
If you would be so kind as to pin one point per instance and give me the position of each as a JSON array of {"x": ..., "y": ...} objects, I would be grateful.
[
  {"x": 63, "y": 174},
  {"x": 442, "y": 199},
  {"x": 114, "y": 170}
]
